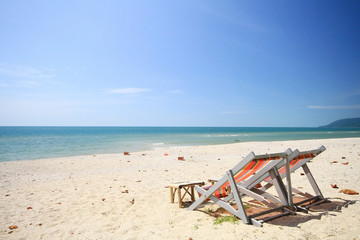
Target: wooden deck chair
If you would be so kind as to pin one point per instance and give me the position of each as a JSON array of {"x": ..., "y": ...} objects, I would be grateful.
[
  {"x": 299, "y": 160},
  {"x": 242, "y": 179}
]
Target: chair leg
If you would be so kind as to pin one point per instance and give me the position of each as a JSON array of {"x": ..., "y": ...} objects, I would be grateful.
[
  {"x": 312, "y": 181},
  {"x": 280, "y": 188},
  {"x": 241, "y": 210}
]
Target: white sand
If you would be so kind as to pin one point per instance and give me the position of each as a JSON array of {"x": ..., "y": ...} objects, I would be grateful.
[{"x": 81, "y": 197}]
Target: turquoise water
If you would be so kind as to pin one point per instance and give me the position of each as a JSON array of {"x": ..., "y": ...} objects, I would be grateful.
[{"x": 21, "y": 143}]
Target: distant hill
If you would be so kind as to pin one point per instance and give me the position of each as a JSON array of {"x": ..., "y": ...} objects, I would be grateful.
[{"x": 344, "y": 123}]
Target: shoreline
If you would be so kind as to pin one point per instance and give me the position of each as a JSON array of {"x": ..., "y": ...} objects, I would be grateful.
[
  {"x": 117, "y": 196},
  {"x": 28, "y": 143},
  {"x": 181, "y": 146}
]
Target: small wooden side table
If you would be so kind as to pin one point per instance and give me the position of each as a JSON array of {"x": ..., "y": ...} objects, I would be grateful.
[{"x": 187, "y": 186}]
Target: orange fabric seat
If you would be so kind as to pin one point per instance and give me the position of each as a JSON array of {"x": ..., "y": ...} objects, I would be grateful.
[
  {"x": 251, "y": 168},
  {"x": 293, "y": 164}
]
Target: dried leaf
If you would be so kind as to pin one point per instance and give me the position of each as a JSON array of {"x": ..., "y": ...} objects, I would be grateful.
[
  {"x": 28, "y": 208},
  {"x": 214, "y": 214},
  {"x": 334, "y": 162},
  {"x": 345, "y": 163},
  {"x": 334, "y": 186},
  {"x": 349, "y": 192},
  {"x": 13, "y": 227},
  {"x": 132, "y": 201}
]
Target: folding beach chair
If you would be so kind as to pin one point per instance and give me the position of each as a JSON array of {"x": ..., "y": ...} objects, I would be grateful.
[
  {"x": 242, "y": 179},
  {"x": 299, "y": 159}
]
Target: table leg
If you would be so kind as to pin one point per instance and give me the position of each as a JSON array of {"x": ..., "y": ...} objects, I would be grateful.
[
  {"x": 179, "y": 196},
  {"x": 192, "y": 194},
  {"x": 172, "y": 195}
]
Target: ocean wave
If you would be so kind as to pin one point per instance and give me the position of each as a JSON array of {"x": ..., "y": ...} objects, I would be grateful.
[
  {"x": 158, "y": 144},
  {"x": 226, "y": 135}
]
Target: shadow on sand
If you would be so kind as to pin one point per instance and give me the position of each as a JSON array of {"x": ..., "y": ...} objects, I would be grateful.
[
  {"x": 315, "y": 212},
  {"x": 332, "y": 208}
]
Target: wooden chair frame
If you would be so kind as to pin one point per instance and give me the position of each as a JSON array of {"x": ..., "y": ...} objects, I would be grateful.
[
  {"x": 285, "y": 171},
  {"x": 247, "y": 187}
]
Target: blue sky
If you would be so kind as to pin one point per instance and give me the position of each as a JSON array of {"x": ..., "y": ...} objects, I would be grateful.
[{"x": 179, "y": 63}]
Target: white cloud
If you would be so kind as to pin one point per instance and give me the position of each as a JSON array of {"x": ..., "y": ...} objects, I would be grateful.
[
  {"x": 176, "y": 91},
  {"x": 28, "y": 83},
  {"x": 129, "y": 90},
  {"x": 350, "y": 94},
  {"x": 232, "y": 16},
  {"x": 20, "y": 71},
  {"x": 232, "y": 112},
  {"x": 3, "y": 84},
  {"x": 335, "y": 107}
]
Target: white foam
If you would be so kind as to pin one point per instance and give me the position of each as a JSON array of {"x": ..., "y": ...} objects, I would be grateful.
[{"x": 158, "y": 144}]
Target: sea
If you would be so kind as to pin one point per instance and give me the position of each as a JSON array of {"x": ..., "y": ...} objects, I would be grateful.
[{"x": 27, "y": 143}]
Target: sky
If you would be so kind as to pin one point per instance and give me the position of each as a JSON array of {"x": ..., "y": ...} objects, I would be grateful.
[{"x": 179, "y": 63}]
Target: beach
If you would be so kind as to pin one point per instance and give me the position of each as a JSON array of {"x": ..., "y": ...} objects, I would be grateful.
[{"x": 117, "y": 196}]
